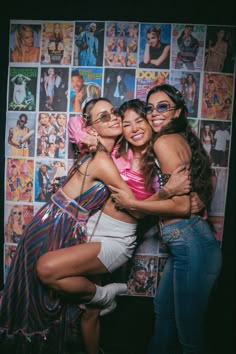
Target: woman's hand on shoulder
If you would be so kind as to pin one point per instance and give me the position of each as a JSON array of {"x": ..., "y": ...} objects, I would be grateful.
[{"x": 89, "y": 143}]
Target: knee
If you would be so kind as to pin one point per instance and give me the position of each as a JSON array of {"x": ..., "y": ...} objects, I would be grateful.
[{"x": 44, "y": 270}]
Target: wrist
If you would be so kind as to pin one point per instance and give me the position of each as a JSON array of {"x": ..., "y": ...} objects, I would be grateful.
[
  {"x": 132, "y": 204},
  {"x": 165, "y": 193}
]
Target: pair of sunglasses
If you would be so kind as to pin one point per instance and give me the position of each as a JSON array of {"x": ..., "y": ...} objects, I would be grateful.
[
  {"x": 106, "y": 116},
  {"x": 160, "y": 107},
  {"x": 17, "y": 212}
]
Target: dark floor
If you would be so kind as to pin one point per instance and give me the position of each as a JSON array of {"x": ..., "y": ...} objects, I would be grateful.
[{"x": 127, "y": 330}]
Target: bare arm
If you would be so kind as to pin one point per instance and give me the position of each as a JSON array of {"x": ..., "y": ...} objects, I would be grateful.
[
  {"x": 162, "y": 57},
  {"x": 171, "y": 152},
  {"x": 101, "y": 168},
  {"x": 178, "y": 184},
  {"x": 194, "y": 93},
  {"x": 10, "y": 136},
  {"x": 107, "y": 172},
  {"x": 46, "y": 85},
  {"x": 146, "y": 54},
  {"x": 76, "y": 102}
]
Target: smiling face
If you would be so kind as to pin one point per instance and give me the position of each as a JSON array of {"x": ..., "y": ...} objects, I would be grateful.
[
  {"x": 61, "y": 120},
  {"x": 140, "y": 276},
  {"x": 156, "y": 119},
  {"x": 153, "y": 39},
  {"x": 22, "y": 121},
  {"x": 28, "y": 37},
  {"x": 77, "y": 83},
  {"x": 16, "y": 212},
  {"x": 44, "y": 119},
  {"x": 136, "y": 129},
  {"x": 103, "y": 120},
  {"x": 16, "y": 215}
]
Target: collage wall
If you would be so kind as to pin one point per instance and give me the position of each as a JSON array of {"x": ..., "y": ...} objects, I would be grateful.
[{"x": 55, "y": 67}]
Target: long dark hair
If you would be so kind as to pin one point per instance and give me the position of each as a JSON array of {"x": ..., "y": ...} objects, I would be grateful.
[
  {"x": 146, "y": 161},
  {"x": 201, "y": 171}
]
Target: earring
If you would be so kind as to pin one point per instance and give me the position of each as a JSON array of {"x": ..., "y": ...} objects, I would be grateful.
[
  {"x": 119, "y": 140},
  {"x": 126, "y": 146},
  {"x": 96, "y": 136}
]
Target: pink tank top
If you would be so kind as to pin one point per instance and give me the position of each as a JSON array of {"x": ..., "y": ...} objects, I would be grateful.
[
  {"x": 136, "y": 183},
  {"x": 133, "y": 179}
]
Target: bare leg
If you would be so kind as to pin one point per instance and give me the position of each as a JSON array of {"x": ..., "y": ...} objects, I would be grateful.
[
  {"x": 60, "y": 268},
  {"x": 65, "y": 270},
  {"x": 90, "y": 327}
]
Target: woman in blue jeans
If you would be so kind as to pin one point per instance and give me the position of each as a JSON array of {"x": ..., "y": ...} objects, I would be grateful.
[{"x": 194, "y": 261}]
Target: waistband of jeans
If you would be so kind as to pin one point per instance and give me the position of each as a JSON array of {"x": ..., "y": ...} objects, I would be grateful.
[{"x": 181, "y": 224}]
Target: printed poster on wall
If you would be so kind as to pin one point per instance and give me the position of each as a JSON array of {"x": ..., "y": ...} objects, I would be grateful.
[{"x": 66, "y": 63}]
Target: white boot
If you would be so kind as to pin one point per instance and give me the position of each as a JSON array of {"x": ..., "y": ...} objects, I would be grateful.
[
  {"x": 108, "y": 309},
  {"x": 105, "y": 296}
]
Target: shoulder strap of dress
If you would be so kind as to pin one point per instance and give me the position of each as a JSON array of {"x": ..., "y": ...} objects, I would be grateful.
[
  {"x": 81, "y": 191},
  {"x": 75, "y": 166},
  {"x": 83, "y": 181},
  {"x": 162, "y": 177}
]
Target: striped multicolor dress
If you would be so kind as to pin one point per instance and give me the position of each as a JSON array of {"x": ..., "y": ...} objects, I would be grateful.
[{"x": 28, "y": 309}]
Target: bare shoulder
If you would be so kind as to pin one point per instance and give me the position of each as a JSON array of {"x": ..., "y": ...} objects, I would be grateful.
[
  {"x": 171, "y": 150},
  {"x": 103, "y": 157},
  {"x": 169, "y": 141},
  {"x": 95, "y": 167},
  {"x": 102, "y": 162},
  {"x": 104, "y": 169}
]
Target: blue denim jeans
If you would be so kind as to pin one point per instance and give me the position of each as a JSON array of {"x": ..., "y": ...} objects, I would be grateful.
[{"x": 182, "y": 296}]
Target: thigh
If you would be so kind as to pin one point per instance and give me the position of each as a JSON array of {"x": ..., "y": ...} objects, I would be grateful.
[
  {"x": 163, "y": 300},
  {"x": 73, "y": 261},
  {"x": 196, "y": 266},
  {"x": 164, "y": 338}
]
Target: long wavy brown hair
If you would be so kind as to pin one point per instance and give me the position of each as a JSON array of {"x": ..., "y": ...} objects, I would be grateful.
[{"x": 200, "y": 165}]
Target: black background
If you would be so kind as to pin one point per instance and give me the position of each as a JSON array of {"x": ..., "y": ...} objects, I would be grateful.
[{"x": 127, "y": 330}]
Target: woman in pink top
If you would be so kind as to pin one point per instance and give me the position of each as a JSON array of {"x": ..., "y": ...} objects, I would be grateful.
[
  {"x": 127, "y": 156},
  {"x": 195, "y": 259}
]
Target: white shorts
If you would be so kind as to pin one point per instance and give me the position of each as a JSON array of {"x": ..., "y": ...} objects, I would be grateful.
[{"x": 118, "y": 239}]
